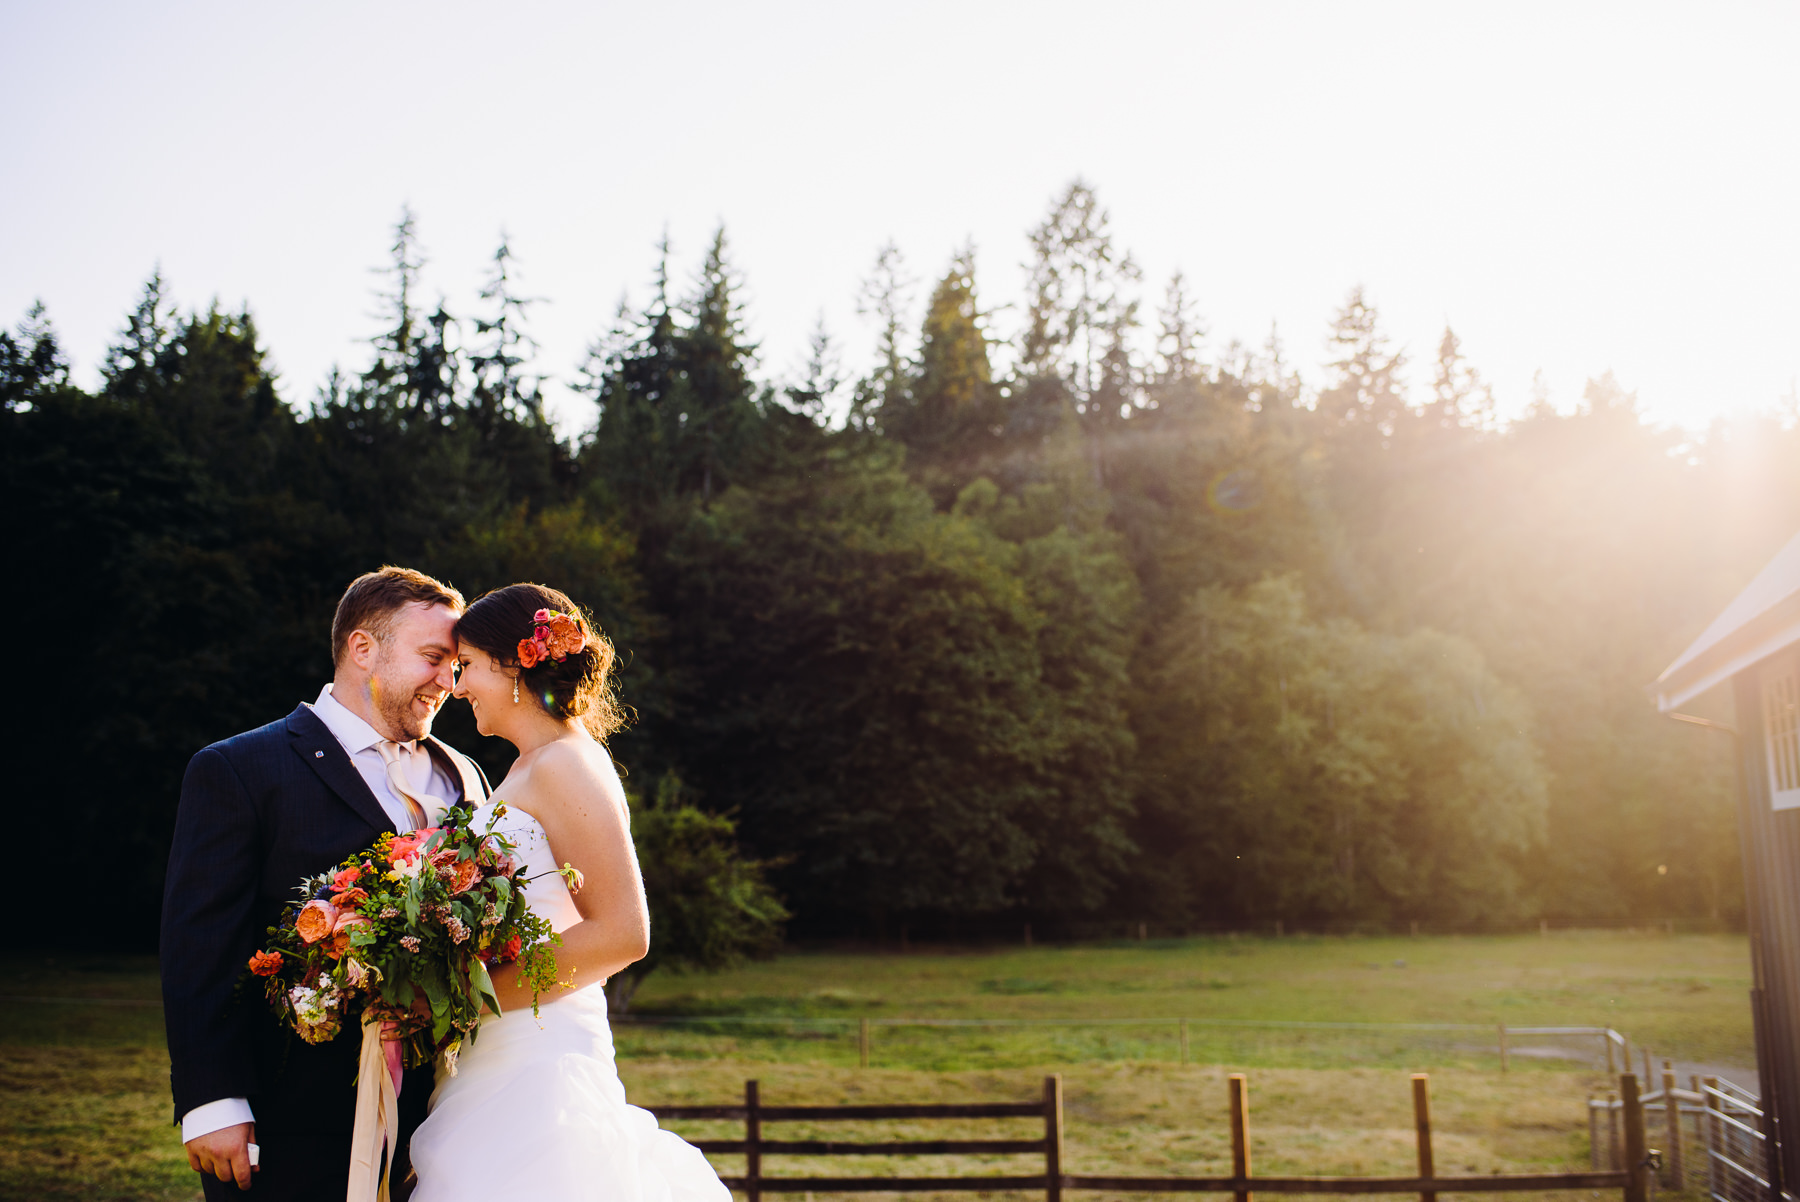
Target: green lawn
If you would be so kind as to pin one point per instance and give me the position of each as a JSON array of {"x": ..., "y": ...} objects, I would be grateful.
[{"x": 84, "y": 1101}]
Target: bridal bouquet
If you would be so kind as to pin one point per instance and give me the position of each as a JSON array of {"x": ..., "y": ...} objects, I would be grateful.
[{"x": 403, "y": 934}]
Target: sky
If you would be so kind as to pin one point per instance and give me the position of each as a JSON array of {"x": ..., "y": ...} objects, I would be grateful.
[{"x": 1575, "y": 188}]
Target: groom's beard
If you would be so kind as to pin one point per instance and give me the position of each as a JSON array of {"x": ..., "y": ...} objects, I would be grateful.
[{"x": 401, "y": 708}]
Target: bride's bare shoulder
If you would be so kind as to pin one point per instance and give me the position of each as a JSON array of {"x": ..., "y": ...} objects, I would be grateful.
[{"x": 576, "y": 770}]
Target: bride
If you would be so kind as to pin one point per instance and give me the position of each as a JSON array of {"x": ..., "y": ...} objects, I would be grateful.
[{"x": 535, "y": 1108}]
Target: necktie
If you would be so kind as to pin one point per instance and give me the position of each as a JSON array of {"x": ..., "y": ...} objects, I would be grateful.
[{"x": 420, "y": 805}]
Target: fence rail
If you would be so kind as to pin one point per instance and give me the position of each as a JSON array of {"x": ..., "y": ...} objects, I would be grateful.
[
  {"x": 1712, "y": 1135},
  {"x": 1055, "y": 1179},
  {"x": 1595, "y": 1046}
]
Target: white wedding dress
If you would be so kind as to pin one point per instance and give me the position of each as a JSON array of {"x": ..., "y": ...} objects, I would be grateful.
[{"x": 536, "y": 1110}]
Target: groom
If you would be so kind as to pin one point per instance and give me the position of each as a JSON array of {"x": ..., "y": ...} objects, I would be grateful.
[{"x": 258, "y": 812}]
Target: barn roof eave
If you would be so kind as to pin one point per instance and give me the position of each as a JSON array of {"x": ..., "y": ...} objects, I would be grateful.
[{"x": 1760, "y": 621}]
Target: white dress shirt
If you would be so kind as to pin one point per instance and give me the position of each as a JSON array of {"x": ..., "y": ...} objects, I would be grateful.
[{"x": 360, "y": 740}]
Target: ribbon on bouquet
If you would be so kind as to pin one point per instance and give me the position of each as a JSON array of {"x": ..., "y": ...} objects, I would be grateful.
[{"x": 377, "y": 1128}]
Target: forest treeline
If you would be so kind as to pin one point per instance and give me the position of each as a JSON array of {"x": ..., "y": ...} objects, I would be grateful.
[{"x": 1104, "y": 622}]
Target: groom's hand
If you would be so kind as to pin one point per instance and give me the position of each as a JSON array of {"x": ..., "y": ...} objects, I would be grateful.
[{"x": 224, "y": 1153}]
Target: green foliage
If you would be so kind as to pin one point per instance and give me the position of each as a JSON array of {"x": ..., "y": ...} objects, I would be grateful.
[
  {"x": 839, "y": 638},
  {"x": 710, "y": 908},
  {"x": 1313, "y": 769},
  {"x": 1087, "y": 627}
]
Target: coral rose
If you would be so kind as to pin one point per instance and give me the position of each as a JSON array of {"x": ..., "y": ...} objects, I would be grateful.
[
  {"x": 346, "y": 878},
  {"x": 315, "y": 920},
  {"x": 349, "y": 897},
  {"x": 403, "y": 847},
  {"x": 340, "y": 934},
  {"x": 530, "y": 655},
  {"x": 566, "y": 638},
  {"x": 265, "y": 964}
]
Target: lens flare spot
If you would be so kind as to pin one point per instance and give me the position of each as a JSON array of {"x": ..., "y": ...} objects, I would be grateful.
[{"x": 1234, "y": 491}]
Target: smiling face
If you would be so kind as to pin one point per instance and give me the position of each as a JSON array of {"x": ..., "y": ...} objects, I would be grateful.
[
  {"x": 413, "y": 669},
  {"x": 485, "y": 684}
]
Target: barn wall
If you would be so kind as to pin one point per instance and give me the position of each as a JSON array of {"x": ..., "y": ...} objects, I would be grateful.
[{"x": 1771, "y": 846}]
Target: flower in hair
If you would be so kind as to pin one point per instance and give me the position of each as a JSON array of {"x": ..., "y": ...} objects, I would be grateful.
[{"x": 557, "y": 636}]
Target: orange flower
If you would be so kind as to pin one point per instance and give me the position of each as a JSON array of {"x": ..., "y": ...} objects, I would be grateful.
[
  {"x": 468, "y": 872},
  {"x": 349, "y": 897},
  {"x": 566, "y": 638},
  {"x": 315, "y": 920},
  {"x": 346, "y": 878},
  {"x": 265, "y": 964},
  {"x": 530, "y": 654}
]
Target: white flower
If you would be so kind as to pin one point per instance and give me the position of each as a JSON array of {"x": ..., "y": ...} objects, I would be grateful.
[{"x": 409, "y": 866}]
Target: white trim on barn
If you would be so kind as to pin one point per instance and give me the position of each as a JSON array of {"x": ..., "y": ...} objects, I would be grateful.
[{"x": 1763, "y": 621}]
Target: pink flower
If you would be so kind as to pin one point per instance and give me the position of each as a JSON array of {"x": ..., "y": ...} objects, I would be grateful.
[
  {"x": 542, "y": 615},
  {"x": 265, "y": 964},
  {"x": 315, "y": 921}
]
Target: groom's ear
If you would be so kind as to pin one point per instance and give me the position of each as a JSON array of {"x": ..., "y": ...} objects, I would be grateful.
[{"x": 361, "y": 649}]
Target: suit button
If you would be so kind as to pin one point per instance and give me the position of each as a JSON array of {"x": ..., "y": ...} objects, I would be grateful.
[{"x": 318, "y": 755}]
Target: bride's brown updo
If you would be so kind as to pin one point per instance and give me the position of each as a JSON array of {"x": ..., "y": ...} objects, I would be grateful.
[{"x": 579, "y": 686}]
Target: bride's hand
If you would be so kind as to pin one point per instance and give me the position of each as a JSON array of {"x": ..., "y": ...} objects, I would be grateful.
[{"x": 576, "y": 796}]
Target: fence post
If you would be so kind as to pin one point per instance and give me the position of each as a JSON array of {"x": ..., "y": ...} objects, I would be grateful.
[
  {"x": 1637, "y": 1149},
  {"x": 1613, "y": 1159},
  {"x": 1611, "y": 1065},
  {"x": 1240, "y": 1134},
  {"x": 1421, "y": 1087},
  {"x": 1184, "y": 1041},
  {"x": 752, "y": 1144},
  {"x": 1502, "y": 1047},
  {"x": 1710, "y": 1134},
  {"x": 862, "y": 1041},
  {"x": 1593, "y": 1135},
  {"x": 1053, "y": 1138},
  {"x": 1672, "y": 1113}
]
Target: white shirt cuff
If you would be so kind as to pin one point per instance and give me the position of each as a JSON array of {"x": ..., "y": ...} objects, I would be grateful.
[{"x": 214, "y": 1116}]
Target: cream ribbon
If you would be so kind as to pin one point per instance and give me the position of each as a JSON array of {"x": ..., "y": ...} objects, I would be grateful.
[{"x": 377, "y": 1117}]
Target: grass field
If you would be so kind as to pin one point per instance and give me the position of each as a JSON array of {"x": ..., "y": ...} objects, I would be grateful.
[{"x": 84, "y": 1101}]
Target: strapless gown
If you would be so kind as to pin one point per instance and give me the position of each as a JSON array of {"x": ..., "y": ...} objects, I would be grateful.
[{"x": 536, "y": 1110}]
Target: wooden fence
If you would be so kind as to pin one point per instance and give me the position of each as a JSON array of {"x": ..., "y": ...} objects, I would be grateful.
[{"x": 1633, "y": 1180}]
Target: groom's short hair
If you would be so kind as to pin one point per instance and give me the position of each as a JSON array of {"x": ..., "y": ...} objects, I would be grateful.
[{"x": 373, "y": 599}]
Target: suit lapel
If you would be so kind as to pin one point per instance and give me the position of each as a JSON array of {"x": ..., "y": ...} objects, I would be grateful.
[
  {"x": 461, "y": 770},
  {"x": 319, "y": 750}
]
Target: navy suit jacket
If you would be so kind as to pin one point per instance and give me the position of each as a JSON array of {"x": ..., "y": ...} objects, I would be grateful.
[{"x": 259, "y": 811}]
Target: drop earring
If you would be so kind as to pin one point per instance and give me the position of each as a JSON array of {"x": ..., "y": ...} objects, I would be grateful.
[{"x": 515, "y": 690}]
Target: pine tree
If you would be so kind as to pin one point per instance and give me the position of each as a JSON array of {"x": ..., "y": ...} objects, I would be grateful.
[
  {"x": 501, "y": 389},
  {"x": 886, "y": 296},
  {"x": 32, "y": 362},
  {"x": 1081, "y": 317},
  {"x": 1368, "y": 391},
  {"x": 1459, "y": 395}
]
